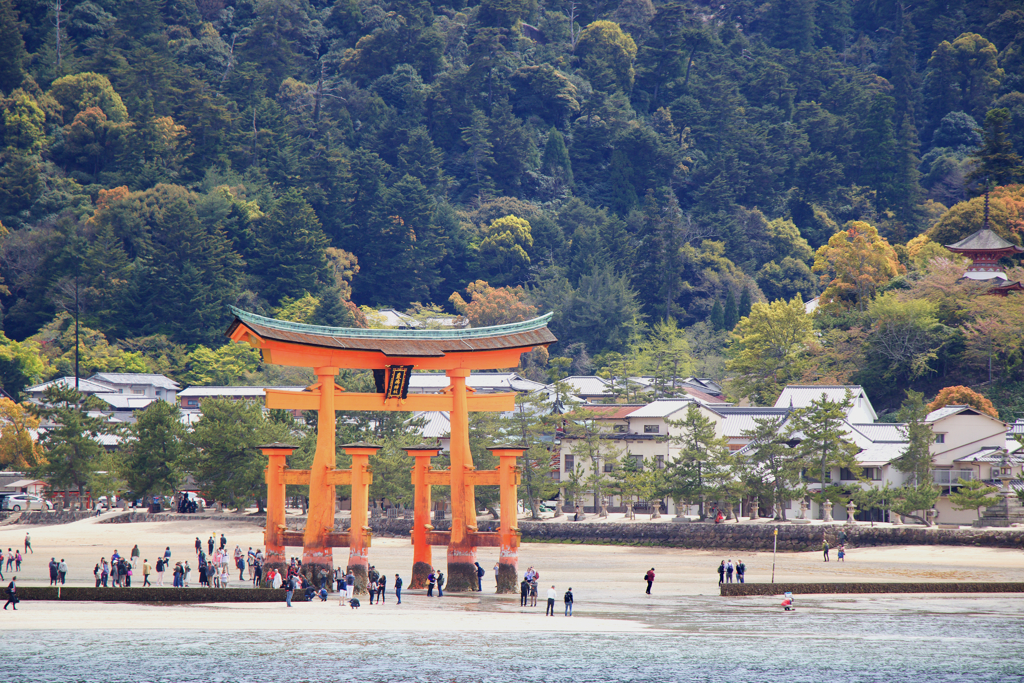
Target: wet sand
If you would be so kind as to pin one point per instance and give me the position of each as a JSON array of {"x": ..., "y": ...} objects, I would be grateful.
[{"x": 606, "y": 580}]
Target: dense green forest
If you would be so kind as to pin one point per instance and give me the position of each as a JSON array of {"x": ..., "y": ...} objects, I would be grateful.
[{"x": 618, "y": 162}]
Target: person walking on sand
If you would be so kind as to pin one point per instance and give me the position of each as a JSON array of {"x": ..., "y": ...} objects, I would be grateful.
[
  {"x": 146, "y": 570},
  {"x": 728, "y": 571},
  {"x": 199, "y": 546},
  {"x": 382, "y": 585},
  {"x": 479, "y": 578},
  {"x": 534, "y": 589},
  {"x": 824, "y": 548},
  {"x": 550, "y": 611},
  {"x": 62, "y": 571},
  {"x": 350, "y": 584},
  {"x": 12, "y": 594},
  {"x": 53, "y": 571},
  {"x": 440, "y": 583},
  {"x": 135, "y": 556},
  {"x": 398, "y": 588},
  {"x": 649, "y": 578},
  {"x": 17, "y": 560},
  {"x": 721, "y": 573},
  {"x": 741, "y": 570},
  {"x": 568, "y": 602},
  {"x": 841, "y": 554},
  {"x": 28, "y": 545},
  {"x": 160, "y": 569},
  {"x": 496, "y": 566},
  {"x": 524, "y": 592}
]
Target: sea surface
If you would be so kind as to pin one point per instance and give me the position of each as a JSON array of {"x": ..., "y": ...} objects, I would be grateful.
[{"x": 892, "y": 641}]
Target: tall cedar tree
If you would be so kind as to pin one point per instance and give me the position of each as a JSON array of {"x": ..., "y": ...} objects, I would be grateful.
[
  {"x": 291, "y": 253},
  {"x": 12, "y": 48}
]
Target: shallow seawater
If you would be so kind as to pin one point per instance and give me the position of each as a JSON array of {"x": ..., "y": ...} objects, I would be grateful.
[{"x": 861, "y": 644}]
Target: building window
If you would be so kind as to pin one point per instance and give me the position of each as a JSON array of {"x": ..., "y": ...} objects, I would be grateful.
[
  {"x": 619, "y": 429},
  {"x": 940, "y": 438},
  {"x": 192, "y": 403},
  {"x": 651, "y": 429},
  {"x": 660, "y": 462},
  {"x": 638, "y": 461},
  {"x": 138, "y": 392},
  {"x": 608, "y": 467},
  {"x": 845, "y": 474},
  {"x": 873, "y": 473},
  {"x": 570, "y": 463}
]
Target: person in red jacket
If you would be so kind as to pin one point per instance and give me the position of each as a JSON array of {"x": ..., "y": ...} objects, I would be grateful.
[{"x": 649, "y": 578}]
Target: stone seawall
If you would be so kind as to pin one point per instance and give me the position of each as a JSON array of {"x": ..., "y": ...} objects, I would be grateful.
[
  {"x": 151, "y": 595},
  {"x": 41, "y": 518},
  {"x": 747, "y": 589},
  {"x": 760, "y": 536},
  {"x": 731, "y": 536},
  {"x": 792, "y": 537},
  {"x": 142, "y": 516}
]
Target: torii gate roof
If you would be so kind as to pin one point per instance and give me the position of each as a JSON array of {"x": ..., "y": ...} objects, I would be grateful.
[{"x": 414, "y": 346}]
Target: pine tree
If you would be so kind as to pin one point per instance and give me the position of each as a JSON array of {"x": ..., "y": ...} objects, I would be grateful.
[
  {"x": 745, "y": 303},
  {"x": 556, "y": 162},
  {"x": 701, "y": 467},
  {"x": 332, "y": 311},
  {"x": 152, "y": 459},
  {"x": 479, "y": 156},
  {"x": 12, "y": 48},
  {"x": 998, "y": 161},
  {"x": 731, "y": 313},
  {"x": 70, "y": 445},
  {"x": 717, "y": 317}
]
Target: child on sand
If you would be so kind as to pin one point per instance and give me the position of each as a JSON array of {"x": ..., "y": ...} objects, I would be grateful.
[{"x": 841, "y": 553}]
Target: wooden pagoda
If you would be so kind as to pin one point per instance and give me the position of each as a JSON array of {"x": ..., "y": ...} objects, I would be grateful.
[{"x": 985, "y": 248}]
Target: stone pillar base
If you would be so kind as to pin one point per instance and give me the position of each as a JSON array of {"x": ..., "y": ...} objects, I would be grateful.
[
  {"x": 461, "y": 577},
  {"x": 311, "y": 573},
  {"x": 508, "y": 578},
  {"x": 361, "y": 573},
  {"x": 420, "y": 571}
]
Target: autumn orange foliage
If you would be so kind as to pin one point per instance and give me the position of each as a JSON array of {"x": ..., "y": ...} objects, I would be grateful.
[{"x": 963, "y": 396}]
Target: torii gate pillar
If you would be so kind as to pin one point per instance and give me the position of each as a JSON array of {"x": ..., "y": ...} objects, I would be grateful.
[
  {"x": 508, "y": 529},
  {"x": 422, "y": 559},
  {"x": 273, "y": 536},
  {"x": 461, "y": 546},
  {"x": 316, "y": 548}
]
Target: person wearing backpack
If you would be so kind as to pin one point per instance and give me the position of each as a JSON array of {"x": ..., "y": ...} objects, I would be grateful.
[
  {"x": 568, "y": 602},
  {"x": 12, "y": 594},
  {"x": 479, "y": 578}
]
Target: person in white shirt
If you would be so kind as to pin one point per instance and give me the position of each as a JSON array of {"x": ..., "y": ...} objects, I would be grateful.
[{"x": 551, "y": 601}]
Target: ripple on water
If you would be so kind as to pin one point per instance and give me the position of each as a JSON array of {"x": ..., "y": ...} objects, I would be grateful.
[{"x": 769, "y": 647}]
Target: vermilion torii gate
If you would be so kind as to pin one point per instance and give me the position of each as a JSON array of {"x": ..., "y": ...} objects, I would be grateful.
[{"x": 392, "y": 355}]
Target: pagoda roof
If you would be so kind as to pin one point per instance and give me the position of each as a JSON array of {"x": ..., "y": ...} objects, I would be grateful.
[
  {"x": 402, "y": 343},
  {"x": 984, "y": 240}
]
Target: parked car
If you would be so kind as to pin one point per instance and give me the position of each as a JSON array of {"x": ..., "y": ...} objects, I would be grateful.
[{"x": 26, "y": 501}]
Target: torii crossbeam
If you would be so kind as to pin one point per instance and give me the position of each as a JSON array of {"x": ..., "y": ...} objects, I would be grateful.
[{"x": 392, "y": 355}]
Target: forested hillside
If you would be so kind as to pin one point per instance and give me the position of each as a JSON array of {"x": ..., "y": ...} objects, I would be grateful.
[{"x": 624, "y": 162}]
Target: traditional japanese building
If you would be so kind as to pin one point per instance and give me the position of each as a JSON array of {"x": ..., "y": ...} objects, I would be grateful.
[{"x": 985, "y": 248}]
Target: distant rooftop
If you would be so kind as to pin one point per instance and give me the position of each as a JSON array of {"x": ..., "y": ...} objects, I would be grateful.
[{"x": 127, "y": 378}]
